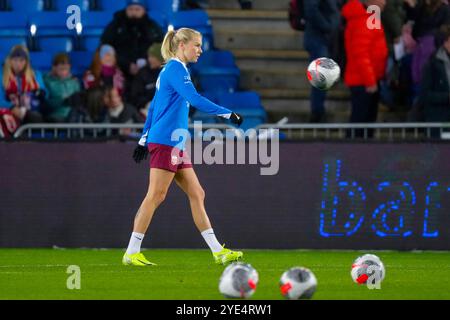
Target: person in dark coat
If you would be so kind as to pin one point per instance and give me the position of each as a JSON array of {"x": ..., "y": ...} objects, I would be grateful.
[
  {"x": 435, "y": 96},
  {"x": 322, "y": 21},
  {"x": 131, "y": 33},
  {"x": 144, "y": 85},
  {"x": 393, "y": 18}
]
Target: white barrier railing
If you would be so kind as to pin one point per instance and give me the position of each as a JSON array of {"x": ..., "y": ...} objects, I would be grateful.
[{"x": 373, "y": 131}]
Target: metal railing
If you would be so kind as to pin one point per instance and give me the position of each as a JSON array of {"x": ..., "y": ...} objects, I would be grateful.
[
  {"x": 364, "y": 131},
  {"x": 332, "y": 131},
  {"x": 92, "y": 130}
]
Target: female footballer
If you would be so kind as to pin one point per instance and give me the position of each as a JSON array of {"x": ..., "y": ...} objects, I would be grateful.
[{"x": 168, "y": 112}]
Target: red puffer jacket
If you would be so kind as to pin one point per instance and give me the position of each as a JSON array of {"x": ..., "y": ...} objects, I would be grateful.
[{"x": 365, "y": 48}]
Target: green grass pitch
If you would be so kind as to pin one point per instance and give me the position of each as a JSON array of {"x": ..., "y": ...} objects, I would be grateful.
[{"x": 191, "y": 274}]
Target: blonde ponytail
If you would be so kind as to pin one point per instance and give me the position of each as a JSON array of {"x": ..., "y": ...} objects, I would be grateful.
[{"x": 173, "y": 39}]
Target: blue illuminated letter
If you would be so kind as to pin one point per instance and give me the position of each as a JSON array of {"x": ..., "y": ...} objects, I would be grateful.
[
  {"x": 399, "y": 209},
  {"x": 342, "y": 203}
]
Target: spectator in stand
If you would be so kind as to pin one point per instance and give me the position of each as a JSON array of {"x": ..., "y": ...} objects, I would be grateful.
[
  {"x": 131, "y": 33},
  {"x": 144, "y": 85},
  {"x": 60, "y": 85},
  {"x": 104, "y": 70},
  {"x": 367, "y": 53},
  {"x": 23, "y": 89},
  {"x": 428, "y": 17},
  {"x": 393, "y": 18},
  {"x": 119, "y": 111},
  {"x": 322, "y": 21},
  {"x": 435, "y": 93},
  {"x": 102, "y": 105}
]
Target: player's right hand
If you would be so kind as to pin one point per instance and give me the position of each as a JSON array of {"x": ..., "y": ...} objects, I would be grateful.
[{"x": 140, "y": 153}]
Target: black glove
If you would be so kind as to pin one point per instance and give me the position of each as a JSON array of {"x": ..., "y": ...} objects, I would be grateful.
[
  {"x": 236, "y": 118},
  {"x": 140, "y": 153}
]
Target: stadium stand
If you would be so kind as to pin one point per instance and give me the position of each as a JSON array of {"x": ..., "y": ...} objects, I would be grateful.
[
  {"x": 216, "y": 71},
  {"x": 167, "y": 7},
  {"x": 6, "y": 43},
  {"x": 41, "y": 61},
  {"x": 81, "y": 60},
  {"x": 62, "y": 5},
  {"x": 12, "y": 24},
  {"x": 111, "y": 6},
  {"x": 26, "y": 6},
  {"x": 198, "y": 20},
  {"x": 248, "y": 104}
]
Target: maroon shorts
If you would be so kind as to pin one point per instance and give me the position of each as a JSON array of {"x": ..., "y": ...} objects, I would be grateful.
[{"x": 168, "y": 158}]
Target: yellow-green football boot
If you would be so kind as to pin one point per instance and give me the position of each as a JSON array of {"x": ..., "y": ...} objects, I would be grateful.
[
  {"x": 136, "y": 259},
  {"x": 226, "y": 256}
]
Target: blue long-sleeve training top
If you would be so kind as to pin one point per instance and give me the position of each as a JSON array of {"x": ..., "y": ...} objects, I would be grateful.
[{"x": 169, "y": 109}]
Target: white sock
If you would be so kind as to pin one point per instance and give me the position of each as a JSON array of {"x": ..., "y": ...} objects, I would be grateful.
[
  {"x": 211, "y": 240},
  {"x": 135, "y": 243}
]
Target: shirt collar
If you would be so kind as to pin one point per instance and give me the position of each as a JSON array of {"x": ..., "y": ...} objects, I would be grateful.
[{"x": 184, "y": 64}]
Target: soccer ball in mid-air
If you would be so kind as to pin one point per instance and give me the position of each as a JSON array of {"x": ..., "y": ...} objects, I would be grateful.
[
  {"x": 323, "y": 73},
  {"x": 238, "y": 280},
  {"x": 298, "y": 283},
  {"x": 368, "y": 268}
]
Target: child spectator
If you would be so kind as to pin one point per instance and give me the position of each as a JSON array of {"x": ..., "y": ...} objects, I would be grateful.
[
  {"x": 144, "y": 85},
  {"x": 104, "y": 70},
  {"x": 118, "y": 111},
  {"x": 23, "y": 89},
  {"x": 102, "y": 105},
  {"x": 60, "y": 85}
]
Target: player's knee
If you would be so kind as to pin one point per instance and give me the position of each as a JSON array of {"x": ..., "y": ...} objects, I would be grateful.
[
  {"x": 198, "y": 194},
  {"x": 157, "y": 196}
]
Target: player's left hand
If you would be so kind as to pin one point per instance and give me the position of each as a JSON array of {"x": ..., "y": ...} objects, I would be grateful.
[
  {"x": 236, "y": 118},
  {"x": 140, "y": 153}
]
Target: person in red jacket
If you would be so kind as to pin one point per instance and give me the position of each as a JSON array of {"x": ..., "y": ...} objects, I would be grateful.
[{"x": 366, "y": 54}]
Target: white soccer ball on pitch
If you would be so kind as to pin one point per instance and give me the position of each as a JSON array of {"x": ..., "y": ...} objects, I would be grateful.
[
  {"x": 366, "y": 266},
  {"x": 238, "y": 280},
  {"x": 298, "y": 283},
  {"x": 323, "y": 73}
]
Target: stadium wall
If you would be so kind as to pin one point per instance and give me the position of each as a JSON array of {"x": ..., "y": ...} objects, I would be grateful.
[{"x": 325, "y": 196}]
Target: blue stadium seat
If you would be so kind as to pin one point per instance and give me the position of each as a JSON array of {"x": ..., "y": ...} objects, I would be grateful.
[
  {"x": 248, "y": 104},
  {"x": 62, "y": 5},
  {"x": 27, "y": 6},
  {"x": 81, "y": 61},
  {"x": 159, "y": 18},
  {"x": 216, "y": 71},
  {"x": 54, "y": 44},
  {"x": 165, "y": 6},
  {"x": 13, "y": 24},
  {"x": 41, "y": 61},
  {"x": 113, "y": 6},
  {"x": 94, "y": 23},
  {"x": 196, "y": 19},
  {"x": 6, "y": 43},
  {"x": 51, "y": 24},
  {"x": 90, "y": 43}
]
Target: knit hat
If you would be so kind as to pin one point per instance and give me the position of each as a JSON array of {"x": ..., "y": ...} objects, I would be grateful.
[
  {"x": 141, "y": 3},
  {"x": 18, "y": 52},
  {"x": 105, "y": 49},
  {"x": 155, "y": 51}
]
